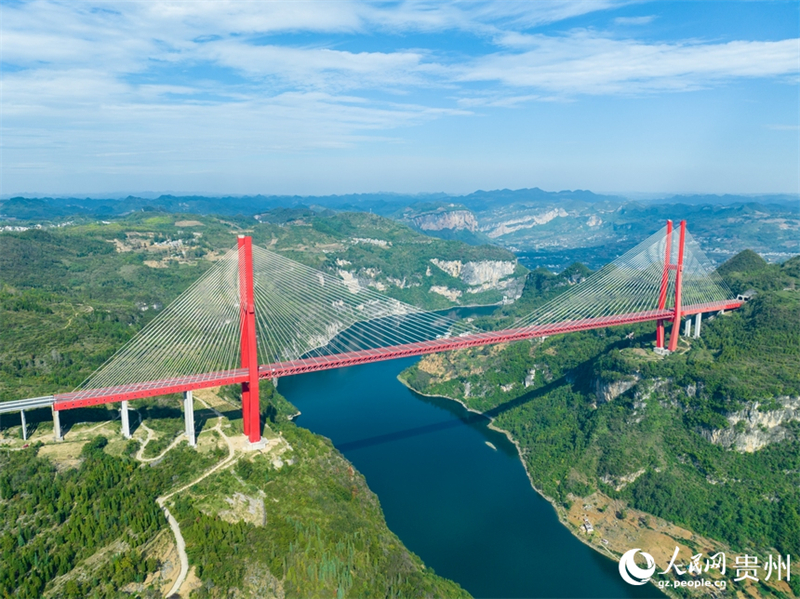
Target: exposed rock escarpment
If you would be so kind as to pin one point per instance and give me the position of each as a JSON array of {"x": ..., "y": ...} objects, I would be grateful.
[
  {"x": 609, "y": 390},
  {"x": 453, "y": 219},
  {"x": 477, "y": 273},
  {"x": 525, "y": 222},
  {"x": 751, "y": 429}
]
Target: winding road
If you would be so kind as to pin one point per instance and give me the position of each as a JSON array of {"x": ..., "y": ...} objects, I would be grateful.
[{"x": 180, "y": 543}]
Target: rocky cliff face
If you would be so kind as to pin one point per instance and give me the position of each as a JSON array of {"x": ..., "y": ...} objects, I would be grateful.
[
  {"x": 486, "y": 271},
  {"x": 481, "y": 276},
  {"x": 525, "y": 222},
  {"x": 751, "y": 429},
  {"x": 453, "y": 219},
  {"x": 477, "y": 273},
  {"x": 608, "y": 391}
]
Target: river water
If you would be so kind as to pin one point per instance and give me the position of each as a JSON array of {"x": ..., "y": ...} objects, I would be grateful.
[{"x": 466, "y": 509}]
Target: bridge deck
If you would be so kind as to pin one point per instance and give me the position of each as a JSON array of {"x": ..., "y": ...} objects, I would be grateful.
[{"x": 90, "y": 397}]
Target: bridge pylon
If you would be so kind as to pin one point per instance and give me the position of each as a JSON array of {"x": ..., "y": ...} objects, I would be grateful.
[
  {"x": 675, "y": 333},
  {"x": 249, "y": 350},
  {"x": 662, "y": 297}
]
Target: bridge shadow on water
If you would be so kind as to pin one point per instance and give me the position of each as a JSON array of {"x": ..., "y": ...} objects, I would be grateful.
[{"x": 472, "y": 419}]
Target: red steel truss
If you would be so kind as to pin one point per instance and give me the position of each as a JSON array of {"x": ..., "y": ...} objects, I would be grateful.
[{"x": 91, "y": 397}]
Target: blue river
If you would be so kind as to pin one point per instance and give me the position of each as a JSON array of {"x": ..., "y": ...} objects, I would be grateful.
[{"x": 466, "y": 509}]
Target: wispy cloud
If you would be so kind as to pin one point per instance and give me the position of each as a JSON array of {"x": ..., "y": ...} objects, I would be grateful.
[
  {"x": 586, "y": 63},
  {"x": 634, "y": 20},
  {"x": 122, "y": 81},
  {"x": 784, "y": 127}
]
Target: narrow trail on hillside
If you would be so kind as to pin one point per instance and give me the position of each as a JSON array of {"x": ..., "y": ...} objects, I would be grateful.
[
  {"x": 139, "y": 454},
  {"x": 180, "y": 543}
]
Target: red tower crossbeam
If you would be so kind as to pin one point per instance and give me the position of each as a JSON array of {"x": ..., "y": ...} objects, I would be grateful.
[{"x": 90, "y": 397}]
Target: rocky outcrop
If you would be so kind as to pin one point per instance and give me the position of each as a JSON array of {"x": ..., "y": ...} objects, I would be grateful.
[
  {"x": 477, "y": 273},
  {"x": 486, "y": 271},
  {"x": 451, "y": 294},
  {"x": 451, "y": 267},
  {"x": 620, "y": 482},
  {"x": 594, "y": 221},
  {"x": 369, "y": 241},
  {"x": 751, "y": 429},
  {"x": 453, "y": 219},
  {"x": 530, "y": 378},
  {"x": 609, "y": 390},
  {"x": 350, "y": 281},
  {"x": 526, "y": 222}
]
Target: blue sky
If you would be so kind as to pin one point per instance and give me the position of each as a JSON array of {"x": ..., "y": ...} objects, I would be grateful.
[{"x": 348, "y": 97}]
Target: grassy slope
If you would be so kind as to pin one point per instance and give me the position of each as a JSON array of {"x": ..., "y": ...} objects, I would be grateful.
[{"x": 571, "y": 443}]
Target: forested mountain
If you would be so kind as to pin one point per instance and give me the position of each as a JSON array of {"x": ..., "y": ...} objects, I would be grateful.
[
  {"x": 81, "y": 519},
  {"x": 92, "y": 528},
  {"x": 707, "y": 438},
  {"x": 70, "y": 296},
  {"x": 547, "y": 228}
]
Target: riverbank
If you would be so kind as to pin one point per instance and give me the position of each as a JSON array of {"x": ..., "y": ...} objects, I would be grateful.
[
  {"x": 559, "y": 509},
  {"x": 611, "y": 527},
  {"x": 627, "y": 534}
]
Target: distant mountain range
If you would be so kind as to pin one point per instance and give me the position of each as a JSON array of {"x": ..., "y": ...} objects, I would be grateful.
[
  {"x": 32, "y": 208},
  {"x": 545, "y": 228}
]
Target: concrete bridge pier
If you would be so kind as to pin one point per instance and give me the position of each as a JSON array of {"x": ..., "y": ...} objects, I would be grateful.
[
  {"x": 57, "y": 425},
  {"x": 126, "y": 422},
  {"x": 188, "y": 413},
  {"x": 24, "y": 425},
  {"x": 687, "y": 329},
  {"x": 697, "y": 320}
]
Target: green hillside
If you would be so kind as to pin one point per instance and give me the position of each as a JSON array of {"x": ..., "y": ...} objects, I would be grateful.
[
  {"x": 92, "y": 528},
  {"x": 79, "y": 518},
  {"x": 70, "y": 296},
  {"x": 603, "y": 413}
]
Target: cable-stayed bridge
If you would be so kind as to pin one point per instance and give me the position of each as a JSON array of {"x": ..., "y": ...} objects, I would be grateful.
[{"x": 258, "y": 315}]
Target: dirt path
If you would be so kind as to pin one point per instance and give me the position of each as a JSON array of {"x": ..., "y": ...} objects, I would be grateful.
[
  {"x": 226, "y": 462},
  {"x": 150, "y": 433},
  {"x": 149, "y": 438},
  {"x": 180, "y": 543}
]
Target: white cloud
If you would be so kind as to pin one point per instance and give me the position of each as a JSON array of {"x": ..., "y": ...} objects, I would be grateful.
[
  {"x": 634, "y": 20},
  {"x": 585, "y": 63},
  {"x": 111, "y": 85},
  {"x": 117, "y": 40}
]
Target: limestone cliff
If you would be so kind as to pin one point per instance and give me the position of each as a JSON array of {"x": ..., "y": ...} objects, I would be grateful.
[
  {"x": 477, "y": 273},
  {"x": 751, "y": 429},
  {"x": 486, "y": 271},
  {"x": 453, "y": 219},
  {"x": 526, "y": 222},
  {"x": 608, "y": 391}
]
